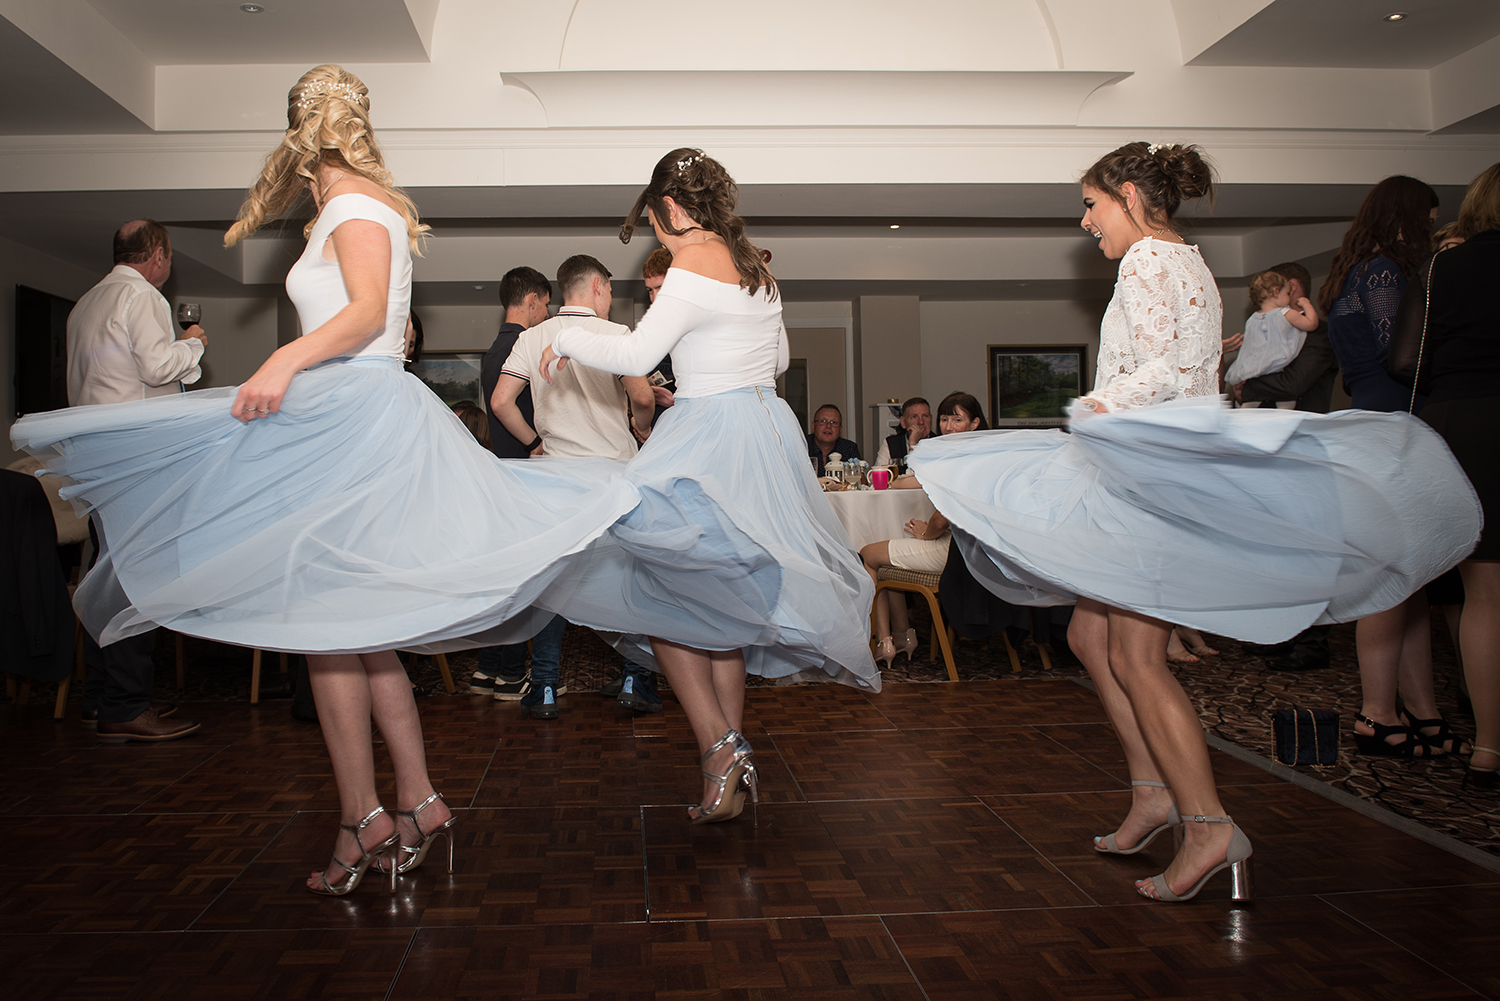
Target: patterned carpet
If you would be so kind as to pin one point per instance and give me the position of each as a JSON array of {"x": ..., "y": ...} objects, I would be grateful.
[{"x": 1235, "y": 696}]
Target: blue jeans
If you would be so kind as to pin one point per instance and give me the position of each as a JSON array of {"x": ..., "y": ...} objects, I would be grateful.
[{"x": 508, "y": 663}]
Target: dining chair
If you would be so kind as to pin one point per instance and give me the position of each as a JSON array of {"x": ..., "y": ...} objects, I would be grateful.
[{"x": 926, "y": 584}]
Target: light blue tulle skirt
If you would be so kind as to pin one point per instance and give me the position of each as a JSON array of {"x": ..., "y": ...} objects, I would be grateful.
[
  {"x": 733, "y": 545},
  {"x": 363, "y": 516},
  {"x": 1247, "y": 523}
]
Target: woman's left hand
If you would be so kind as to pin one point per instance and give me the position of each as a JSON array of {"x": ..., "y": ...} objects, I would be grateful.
[
  {"x": 262, "y": 393},
  {"x": 917, "y": 528},
  {"x": 548, "y": 357}
]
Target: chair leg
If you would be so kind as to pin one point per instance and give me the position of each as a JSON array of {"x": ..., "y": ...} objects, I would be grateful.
[
  {"x": 255, "y": 678},
  {"x": 181, "y": 665},
  {"x": 1043, "y": 647},
  {"x": 941, "y": 629},
  {"x": 1010, "y": 649},
  {"x": 442, "y": 663},
  {"x": 283, "y": 663},
  {"x": 60, "y": 708}
]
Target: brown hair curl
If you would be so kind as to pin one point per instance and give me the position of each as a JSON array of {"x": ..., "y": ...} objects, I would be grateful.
[
  {"x": 328, "y": 122},
  {"x": 1394, "y": 222},
  {"x": 1265, "y": 285},
  {"x": 1480, "y": 210},
  {"x": 703, "y": 189},
  {"x": 1163, "y": 175}
]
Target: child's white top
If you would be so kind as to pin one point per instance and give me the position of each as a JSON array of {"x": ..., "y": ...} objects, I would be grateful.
[{"x": 1271, "y": 342}]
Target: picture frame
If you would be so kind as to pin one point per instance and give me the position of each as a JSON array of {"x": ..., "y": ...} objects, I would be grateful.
[
  {"x": 1032, "y": 384},
  {"x": 453, "y": 375}
]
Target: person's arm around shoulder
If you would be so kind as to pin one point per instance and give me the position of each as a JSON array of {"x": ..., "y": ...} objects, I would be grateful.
[
  {"x": 1303, "y": 315},
  {"x": 363, "y": 250}
]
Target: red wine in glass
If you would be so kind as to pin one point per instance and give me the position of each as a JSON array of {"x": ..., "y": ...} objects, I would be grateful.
[{"x": 188, "y": 313}]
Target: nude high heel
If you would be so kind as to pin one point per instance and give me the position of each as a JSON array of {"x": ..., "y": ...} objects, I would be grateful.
[
  {"x": 908, "y": 644},
  {"x": 885, "y": 651},
  {"x": 356, "y": 872},
  {"x": 1236, "y": 860},
  {"x": 1107, "y": 844},
  {"x": 739, "y": 778}
]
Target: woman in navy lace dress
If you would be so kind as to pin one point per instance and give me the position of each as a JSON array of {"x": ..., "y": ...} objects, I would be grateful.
[{"x": 1384, "y": 246}]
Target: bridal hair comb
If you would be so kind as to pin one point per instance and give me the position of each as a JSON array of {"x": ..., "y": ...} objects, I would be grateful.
[
  {"x": 316, "y": 90},
  {"x": 688, "y": 161},
  {"x": 1155, "y": 148}
]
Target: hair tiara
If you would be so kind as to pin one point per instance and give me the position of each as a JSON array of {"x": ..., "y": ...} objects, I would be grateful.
[{"x": 316, "y": 90}]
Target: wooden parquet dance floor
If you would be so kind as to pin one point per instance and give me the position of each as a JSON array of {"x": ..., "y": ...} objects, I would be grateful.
[{"x": 932, "y": 841}]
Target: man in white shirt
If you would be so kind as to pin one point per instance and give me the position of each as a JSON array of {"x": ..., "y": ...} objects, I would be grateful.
[
  {"x": 585, "y": 412},
  {"x": 121, "y": 346}
]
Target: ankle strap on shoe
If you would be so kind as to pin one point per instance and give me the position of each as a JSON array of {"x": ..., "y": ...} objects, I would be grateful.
[
  {"x": 730, "y": 737},
  {"x": 354, "y": 829},
  {"x": 1149, "y": 782},
  {"x": 1201, "y": 819},
  {"x": 412, "y": 813}
]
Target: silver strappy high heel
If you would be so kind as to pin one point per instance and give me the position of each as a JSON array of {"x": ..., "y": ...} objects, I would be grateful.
[
  {"x": 733, "y": 784},
  {"x": 1107, "y": 844},
  {"x": 353, "y": 874},
  {"x": 1236, "y": 860},
  {"x": 412, "y": 856}
]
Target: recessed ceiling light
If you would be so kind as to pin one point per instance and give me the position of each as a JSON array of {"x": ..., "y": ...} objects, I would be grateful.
[
  {"x": 895, "y": 225},
  {"x": 478, "y": 288},
  {"x": 251, "y": 8},
  {"x": 1400, "y": 15}
]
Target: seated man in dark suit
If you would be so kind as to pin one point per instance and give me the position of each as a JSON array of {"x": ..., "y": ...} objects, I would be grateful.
[{"x": 825, "y": 440}]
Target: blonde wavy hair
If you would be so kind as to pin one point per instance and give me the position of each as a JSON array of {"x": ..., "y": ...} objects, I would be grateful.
[{"x": 328, "y": 123}]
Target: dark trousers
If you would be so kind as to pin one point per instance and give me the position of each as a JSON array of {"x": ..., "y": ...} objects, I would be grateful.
[{"x": 121, "y": 675}]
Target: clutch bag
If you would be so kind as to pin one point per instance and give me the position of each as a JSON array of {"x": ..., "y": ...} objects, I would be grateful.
[{"x": 1305, "y": 736}]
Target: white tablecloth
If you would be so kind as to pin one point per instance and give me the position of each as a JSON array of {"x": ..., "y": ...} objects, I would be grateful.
[{"x": 877, "y": 515}]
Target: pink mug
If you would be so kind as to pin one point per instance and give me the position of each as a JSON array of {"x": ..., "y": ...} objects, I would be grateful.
[{"x": 880, "y": 478}]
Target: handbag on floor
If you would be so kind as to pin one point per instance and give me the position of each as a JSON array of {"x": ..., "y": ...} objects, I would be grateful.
[{"x": 1305, "y": 736}]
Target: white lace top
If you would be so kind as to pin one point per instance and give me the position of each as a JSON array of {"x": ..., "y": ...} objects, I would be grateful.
[{"x": 1161, "y": 334}]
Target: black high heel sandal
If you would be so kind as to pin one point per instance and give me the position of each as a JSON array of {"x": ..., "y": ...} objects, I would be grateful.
[
  {"x": 1445, "y": 741},
  {"x": 1376, "y": 745}
]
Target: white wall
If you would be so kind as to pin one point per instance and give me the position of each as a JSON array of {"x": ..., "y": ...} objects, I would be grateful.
[
  {"x": 241, "y": 335},
  {"x": 21, "y": 265},
  {"x": 956, "y": 335}
]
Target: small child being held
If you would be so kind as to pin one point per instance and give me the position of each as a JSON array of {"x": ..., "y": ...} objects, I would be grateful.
[{"x": 1275, "y": 334}]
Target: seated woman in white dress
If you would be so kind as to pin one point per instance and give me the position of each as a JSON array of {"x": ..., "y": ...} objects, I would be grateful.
[{"x": 926, "y": 550}]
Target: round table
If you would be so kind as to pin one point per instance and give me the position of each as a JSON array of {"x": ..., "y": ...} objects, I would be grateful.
[{"x": 877, "y": 515}]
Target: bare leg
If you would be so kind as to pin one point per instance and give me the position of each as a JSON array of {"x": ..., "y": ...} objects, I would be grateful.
[
  {"x": 1088, "y": 635},
  {"x": 883, "y": 615},
  {"x": 1170, "y": 727},
  {"x": 1379, "y": 640},
  {"x": 341, "y": 690},
  {"x": 899, "y": 622},
  {"x": 1414, "y": 676},
  {"x": 710, "y": 685},
  {"x": 1480, "y": 637},
  {"x": 1194, "y": 641},
  {"x": 395, "y": 712}
]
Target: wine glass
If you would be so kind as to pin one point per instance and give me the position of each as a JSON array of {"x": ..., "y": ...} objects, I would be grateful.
[{"x": 188, "y": 313}]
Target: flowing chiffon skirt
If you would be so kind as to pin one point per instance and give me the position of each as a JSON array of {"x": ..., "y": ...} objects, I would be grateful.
[
  {"x": 1248, "y": 523},
  {"x": 733, "y": 545},
  {"x": 363, "y": 516}
]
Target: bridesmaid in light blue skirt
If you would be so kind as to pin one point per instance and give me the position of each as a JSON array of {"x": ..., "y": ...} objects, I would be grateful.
[
  {"x": 1163, "y": 507},
  {"x": 331, "y": 504}
]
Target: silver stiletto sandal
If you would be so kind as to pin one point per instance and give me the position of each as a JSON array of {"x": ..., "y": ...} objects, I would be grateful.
[
  {"x": 411, "y": 857},
  {"x": 356, "y": 872},
  {"x": 1107, "y": 844},
  {"x": 1236, "y": 860},
  {"x": 736, "y": 780}
]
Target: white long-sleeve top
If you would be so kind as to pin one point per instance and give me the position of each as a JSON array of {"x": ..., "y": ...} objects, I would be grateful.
[
  {"x": 122, "y": 344},
  {"x": 1161, "y": 335},
  {"x": 720, "y": 337}
]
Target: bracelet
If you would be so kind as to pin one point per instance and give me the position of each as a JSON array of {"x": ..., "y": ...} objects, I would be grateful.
[{"x": 536, "y": 444}]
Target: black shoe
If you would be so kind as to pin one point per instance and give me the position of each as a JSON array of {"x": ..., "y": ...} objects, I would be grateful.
[
  {"x": 638, "y": 693},
  {"x": 481, "y": 684},
  {"x": 541, "y": 702},
  {"x": 1269, "y": 649},
  {"x": 611, "y": 689},
  {"x": 512, "y": 691},
  {"x": 1300, "y": 659}
]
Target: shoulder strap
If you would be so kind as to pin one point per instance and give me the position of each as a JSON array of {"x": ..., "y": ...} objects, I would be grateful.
[{"x": 1411, "y": 407}]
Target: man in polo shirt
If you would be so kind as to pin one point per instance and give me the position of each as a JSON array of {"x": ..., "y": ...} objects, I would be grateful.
[{"x": 584, "y": 413}]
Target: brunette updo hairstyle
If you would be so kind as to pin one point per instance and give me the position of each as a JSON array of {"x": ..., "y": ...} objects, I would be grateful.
[
  {"x": 1163, "y": 175},
  {"x": 328, "y": 123},
  {"x": 1394, "y": 221},
  {"x": 966, "y": 402},
  {"x": 703, "y": 189}
]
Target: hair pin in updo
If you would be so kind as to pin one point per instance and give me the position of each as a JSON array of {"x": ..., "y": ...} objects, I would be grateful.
[
  {"x": 316, "y": 90},
  {"x": 1155, "y": 148},
  {"x": 688, "y": 161}
]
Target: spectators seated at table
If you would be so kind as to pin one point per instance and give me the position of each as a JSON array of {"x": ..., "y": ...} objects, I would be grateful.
[
  {"x": 825, "y": 438},
  {"x": 926, "y": 550},
  {"x": 916, "y": 424}
]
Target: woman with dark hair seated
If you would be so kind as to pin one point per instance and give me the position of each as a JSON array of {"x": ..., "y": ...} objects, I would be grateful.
[{"x": 926, "y": 550}]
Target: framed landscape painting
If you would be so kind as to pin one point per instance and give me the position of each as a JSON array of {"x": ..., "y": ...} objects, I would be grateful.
[
  {"x": 1031, "y": 385},
  {"x": 452, "y": 375}
]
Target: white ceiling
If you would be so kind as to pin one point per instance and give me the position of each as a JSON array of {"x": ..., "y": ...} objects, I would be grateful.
[
  {"x": 1354, "y": 33},
  {"x": 217, "y": 32}
]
